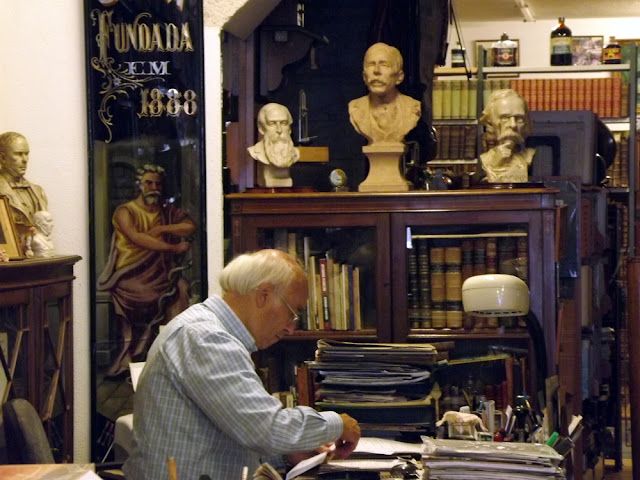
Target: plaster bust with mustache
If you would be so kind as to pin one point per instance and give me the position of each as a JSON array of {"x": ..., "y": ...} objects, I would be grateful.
[
  {"x": 507, "y": 122},
  {"x": 275, "y": 150},
  {"x": 385, "y": 115}
]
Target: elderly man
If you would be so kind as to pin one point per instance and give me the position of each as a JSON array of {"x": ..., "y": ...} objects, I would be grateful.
[
  {"x": 199, "y": 398},
  {"x": 384, "y": 115},
  {"x": 507, "y": 122},
  {"x": 25, "y": 198},
  {"x": 275, "y": 150},
  {"x": 148, "y": 235}
]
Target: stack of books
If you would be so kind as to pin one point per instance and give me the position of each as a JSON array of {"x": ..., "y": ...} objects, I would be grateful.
[{"x": 462, "y": 460}]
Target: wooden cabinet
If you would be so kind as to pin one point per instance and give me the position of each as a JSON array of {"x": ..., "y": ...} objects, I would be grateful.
[
  {"x": 36, "y": 337},
  {"x": 386, "y": 221}
]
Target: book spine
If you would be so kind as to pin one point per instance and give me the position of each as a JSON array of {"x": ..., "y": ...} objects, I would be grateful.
[
  {"x": 456, "y": 88},
  {"x": 453, "y": 286},
  {"x": 446, "y": 99},
  {"x": 436, "y": 265},
  {"x": 424, "y": 283},
  {"x": 324, "y": 290},
  {"x": 413, "y": 295},
  {"x": 356, "y": 298},
  {"x": 464, "y": 100},
  {"x": 436, "y": 99}
]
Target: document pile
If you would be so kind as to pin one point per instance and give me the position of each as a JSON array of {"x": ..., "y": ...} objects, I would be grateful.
[
  {"x": 372, "y": 373},
  {"x": 463, "y": 459}
]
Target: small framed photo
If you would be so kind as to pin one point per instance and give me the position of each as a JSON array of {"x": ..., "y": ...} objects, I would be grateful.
[
  {"x": 8, "y": 236},
  {"x": 487, "y": 46},
  {"x": 587, "y": 50}
]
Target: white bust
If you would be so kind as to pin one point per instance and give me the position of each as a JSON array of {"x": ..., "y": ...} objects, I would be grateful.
[
  {"x": 275, "y": 151},
  {"x": 41, "y": 242},
  {"x": 507, "y": 121}
]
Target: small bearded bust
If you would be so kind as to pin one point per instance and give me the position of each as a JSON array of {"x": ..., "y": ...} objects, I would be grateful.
[
  {"x": 275, "y": 151},
  {"x": 508, "y": 123}
]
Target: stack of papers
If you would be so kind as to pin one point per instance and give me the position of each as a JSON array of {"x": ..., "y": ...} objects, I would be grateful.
[
  {"x": 403, "y": 353},
  {"x": 372, "y": 374},
  {"x": 461, "y": 460}
]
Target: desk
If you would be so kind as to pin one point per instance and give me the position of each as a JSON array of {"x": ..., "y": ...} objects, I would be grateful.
[{"x": 58, "y": 471}]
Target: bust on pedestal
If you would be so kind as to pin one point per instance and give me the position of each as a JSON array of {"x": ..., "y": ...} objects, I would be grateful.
[
  {"x": 384, "y": 117},
  {"x": 508, "y": 123},
  {"x": 275, "y": 151}
]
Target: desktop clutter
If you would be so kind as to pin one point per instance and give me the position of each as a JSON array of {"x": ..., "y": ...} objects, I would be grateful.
[{"x": 415, "y": 428}]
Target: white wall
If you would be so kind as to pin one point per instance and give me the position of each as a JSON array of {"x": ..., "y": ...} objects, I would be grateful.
[
  {"x": 43, "y": 96},
  {"x": 534, "y": 36}
]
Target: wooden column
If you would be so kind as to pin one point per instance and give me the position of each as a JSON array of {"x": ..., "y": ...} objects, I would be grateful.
[{"x": 633, "y": 327}]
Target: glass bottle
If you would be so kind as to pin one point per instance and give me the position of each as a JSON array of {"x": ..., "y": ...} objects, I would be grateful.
[
  {"x": 612, "y": 53},
  {"x": 561, "y": 44},
  {"x": 457, "y": 56},
  {"x": 504, "y": 52}
]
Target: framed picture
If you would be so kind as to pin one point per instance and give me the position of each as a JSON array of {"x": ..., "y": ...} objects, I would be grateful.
[
  {"x": 8, "y": 236},
  {"x": 587, "y": 50},
  {"x": 487, "y": 46}
]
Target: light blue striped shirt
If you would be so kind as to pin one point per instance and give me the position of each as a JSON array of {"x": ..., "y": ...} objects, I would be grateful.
[{"x": 200, "y": 401}]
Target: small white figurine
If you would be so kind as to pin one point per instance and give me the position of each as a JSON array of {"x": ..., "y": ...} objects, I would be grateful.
[
  {"x": 507, "y": 122},
  {"x": 41, "y": 243},
  {"x": 275, "y": 151}
]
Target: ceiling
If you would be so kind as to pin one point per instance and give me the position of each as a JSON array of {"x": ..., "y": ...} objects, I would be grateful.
[{"x": 488, "y": 10}]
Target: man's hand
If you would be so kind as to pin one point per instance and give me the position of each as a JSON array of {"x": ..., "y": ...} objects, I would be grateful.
[
  {"x": 348, "y": 441},
  {"x": 506, "y": 148},
  {"x": 296, "y": 458},
  {"x": 180, "y": 248}
]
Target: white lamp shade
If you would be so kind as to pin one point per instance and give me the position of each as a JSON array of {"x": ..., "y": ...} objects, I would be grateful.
[{"x": 495, "y": 295}]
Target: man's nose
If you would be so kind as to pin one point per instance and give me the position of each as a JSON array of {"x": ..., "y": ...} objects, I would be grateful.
[{"x": 512, "y": 121}]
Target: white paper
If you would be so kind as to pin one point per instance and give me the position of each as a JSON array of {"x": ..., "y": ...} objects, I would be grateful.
[
  {"x": 385, "y": 446},
  {"x": 305, "y": 465}
]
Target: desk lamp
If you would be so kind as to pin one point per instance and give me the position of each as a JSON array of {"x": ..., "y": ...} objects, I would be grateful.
[{"x": 500, "y": 295}]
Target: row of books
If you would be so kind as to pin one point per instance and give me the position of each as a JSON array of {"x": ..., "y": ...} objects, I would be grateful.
[
  {"x": 436, "y": 274},
  {"x": 607, "y": 97},
  {"x": 334, "y": 287},
  {"x": 456, "y": 142},
  {"x": 618, "y": 171},
  {"x": 334, "y": 295}
]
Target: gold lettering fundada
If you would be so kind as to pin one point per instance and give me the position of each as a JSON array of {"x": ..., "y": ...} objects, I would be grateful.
[{"x": 141, "y": 36}]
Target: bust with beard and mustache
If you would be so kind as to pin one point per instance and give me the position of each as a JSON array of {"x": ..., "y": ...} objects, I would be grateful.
[
  {"x": 275, "y": 151},
  {"x": 507, "y": 123}
]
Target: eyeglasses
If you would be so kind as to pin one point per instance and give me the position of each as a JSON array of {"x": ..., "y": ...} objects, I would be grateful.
[{"x": 295, "y": 316}]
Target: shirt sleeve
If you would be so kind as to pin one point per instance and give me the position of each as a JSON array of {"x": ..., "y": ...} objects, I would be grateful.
[{"x": 216, "y": 372}]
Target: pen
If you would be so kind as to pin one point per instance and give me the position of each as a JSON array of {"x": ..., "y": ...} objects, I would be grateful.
[
  {"x": 245, "y": 473},
  {"x": 173, "y": 472}
]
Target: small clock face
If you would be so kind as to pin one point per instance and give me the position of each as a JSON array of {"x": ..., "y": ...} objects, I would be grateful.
[{"x": 338, "y": 178}]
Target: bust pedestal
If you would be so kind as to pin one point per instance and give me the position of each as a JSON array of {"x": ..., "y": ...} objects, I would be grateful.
[
  {"x": 272, "y": 176},
  {"x": 384, "y": 169}
]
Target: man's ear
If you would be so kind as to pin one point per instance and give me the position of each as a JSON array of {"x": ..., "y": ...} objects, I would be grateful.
[
  {"x": 399, "y": 77},
  {"x": 263, "y": 293}
]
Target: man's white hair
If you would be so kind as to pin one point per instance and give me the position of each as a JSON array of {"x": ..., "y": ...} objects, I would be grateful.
[{"x": 248, "y": 271}]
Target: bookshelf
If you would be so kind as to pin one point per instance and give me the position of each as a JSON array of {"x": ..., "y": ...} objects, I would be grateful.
[{"x": 370, "y": 231}]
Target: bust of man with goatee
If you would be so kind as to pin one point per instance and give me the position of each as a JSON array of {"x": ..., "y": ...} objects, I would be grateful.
[{"x": 275, "y": 151}]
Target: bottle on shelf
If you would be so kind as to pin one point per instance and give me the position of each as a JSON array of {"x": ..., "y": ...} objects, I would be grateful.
[
  {"x": 612, "y": 53},
  {"x": 457, "y": 56},
  {"x": 561, "y": 44},
  {"x": 505, "y": 52}
]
